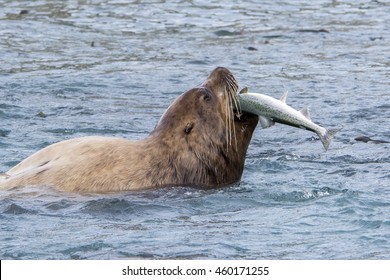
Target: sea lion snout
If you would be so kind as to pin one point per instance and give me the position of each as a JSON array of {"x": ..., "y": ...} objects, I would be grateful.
[{"x": 221, "y": 80}]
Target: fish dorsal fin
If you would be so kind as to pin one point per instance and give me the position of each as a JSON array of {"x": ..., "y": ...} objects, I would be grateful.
[
  {"x": 305, "y": 111},
  {"x": 266, "y": 122},
  {"x": 244, "y": 90},
  {"x": 283, "y": 98}
]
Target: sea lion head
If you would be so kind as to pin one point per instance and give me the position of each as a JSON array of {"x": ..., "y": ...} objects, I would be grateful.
[{"x": 203, "y": 135}]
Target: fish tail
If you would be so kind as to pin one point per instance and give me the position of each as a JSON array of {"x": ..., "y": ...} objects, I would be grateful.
[{"x": 327, "y": 137}]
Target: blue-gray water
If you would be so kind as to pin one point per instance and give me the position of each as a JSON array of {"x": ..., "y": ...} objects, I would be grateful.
[{"x": 76, "y": 68}]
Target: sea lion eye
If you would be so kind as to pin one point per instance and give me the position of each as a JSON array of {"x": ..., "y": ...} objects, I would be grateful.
[{"x": 206, "y": 96}]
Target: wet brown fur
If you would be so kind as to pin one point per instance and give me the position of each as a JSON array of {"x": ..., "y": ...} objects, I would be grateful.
[{"x": 199, "y": 141}]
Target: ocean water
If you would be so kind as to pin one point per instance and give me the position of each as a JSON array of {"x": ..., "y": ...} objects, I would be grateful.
[{"x": 77, "y": 68}]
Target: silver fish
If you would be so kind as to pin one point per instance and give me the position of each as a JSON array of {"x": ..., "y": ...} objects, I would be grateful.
[{"x": 271, "y": 110}]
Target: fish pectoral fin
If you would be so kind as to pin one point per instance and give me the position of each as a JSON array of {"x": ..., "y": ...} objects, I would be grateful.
[
  {"x": 306, "y": 112},
  {"x": 244, "y": 90},
  {"x": 266, "y": 122},
  {"x": 283, "y": 98}
]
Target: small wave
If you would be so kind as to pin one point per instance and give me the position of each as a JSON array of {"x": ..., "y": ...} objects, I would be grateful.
[
  {"x": 58, "y": 205},
  {"x": 223, "y": 33},
  {"x": 4, "y": 132},
  {"x": 107, "y": 205},
  {"x": 369, "y": 224},
  {"x": 302, "y": 196},
  {"x": 91, "y": 250},
  {"x": 16, "y": 209}
]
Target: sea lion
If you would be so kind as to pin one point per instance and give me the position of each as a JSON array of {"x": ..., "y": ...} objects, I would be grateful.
[{"x": 199, "y": 141}]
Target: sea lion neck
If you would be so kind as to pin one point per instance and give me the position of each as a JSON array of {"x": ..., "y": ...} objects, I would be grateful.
[{"x": 193, "y": 159}]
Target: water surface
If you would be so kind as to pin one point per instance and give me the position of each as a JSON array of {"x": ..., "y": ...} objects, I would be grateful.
[{"x": 77, "y": 68}]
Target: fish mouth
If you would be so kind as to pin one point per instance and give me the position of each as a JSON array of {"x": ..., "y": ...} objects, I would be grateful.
[{"x": 239, "y": 114}]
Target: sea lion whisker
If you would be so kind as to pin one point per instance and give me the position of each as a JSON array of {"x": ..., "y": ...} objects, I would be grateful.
[
  {"x": 231, "y": 117},
  {"x": 230, "y": 121},
  {"x": 227, "y": 128},
  {"x": 231, "y": 89},
  {"x": 236, "y": 103},
  {"x": 234, "y": 127}
]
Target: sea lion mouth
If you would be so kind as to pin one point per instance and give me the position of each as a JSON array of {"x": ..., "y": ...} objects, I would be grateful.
[{"x": 242, "y": 116}]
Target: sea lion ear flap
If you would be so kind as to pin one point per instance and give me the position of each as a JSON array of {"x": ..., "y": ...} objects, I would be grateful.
[{"x": 188, "y": 128}]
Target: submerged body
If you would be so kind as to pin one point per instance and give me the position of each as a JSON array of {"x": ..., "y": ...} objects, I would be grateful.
[
  {"x": 197, "y": 142},
  {"x": 271, "y": 110}
]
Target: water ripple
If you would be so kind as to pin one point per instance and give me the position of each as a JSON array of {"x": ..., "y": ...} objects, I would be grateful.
[
  {"x": 302, "y": 196},
  {"x": 16, "y": 209}
]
